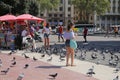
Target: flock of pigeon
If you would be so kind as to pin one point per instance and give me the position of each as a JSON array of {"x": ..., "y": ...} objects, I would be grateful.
[{"x": 109, "y": 57}]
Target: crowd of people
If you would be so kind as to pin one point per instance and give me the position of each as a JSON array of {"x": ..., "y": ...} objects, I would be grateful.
[{"x": 19, "y": 37}]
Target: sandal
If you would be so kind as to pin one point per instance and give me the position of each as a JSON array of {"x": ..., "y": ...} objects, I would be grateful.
[
  {"x": 73, "y": 65},
  {"x": 67, "y": 64}
]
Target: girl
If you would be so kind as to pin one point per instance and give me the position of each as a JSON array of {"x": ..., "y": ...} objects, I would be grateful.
[
  {"x": 68, "y": 35},
  {"x": 46, "y": 32}
]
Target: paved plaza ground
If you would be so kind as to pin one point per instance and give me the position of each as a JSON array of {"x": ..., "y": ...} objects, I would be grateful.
[{"x": 40, "y": 69}]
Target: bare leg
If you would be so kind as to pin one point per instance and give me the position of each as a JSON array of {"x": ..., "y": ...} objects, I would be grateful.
[
  {"x": 58, "y": 38},
  {"x": 72, "y": 57},
  {"x": 45, "y": 42},
  {"x": 62, "y": 38},
  {"x": 67, "y": 56},
  {"x": 48, "y": 42}
]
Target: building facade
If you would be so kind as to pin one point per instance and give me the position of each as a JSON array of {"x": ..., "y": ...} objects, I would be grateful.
[
  {"x": 61, "y": 15},
  {"x": 111, "y": 17}
]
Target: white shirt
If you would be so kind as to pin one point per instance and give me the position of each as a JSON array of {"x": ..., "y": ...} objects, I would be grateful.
[
  {"x": 46, "y": 30},
  {"x": 24, "y": 33},
  {"x": 69, "y": 35}
]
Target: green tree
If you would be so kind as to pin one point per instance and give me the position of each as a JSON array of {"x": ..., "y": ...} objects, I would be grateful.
[
  {"x": 88, "y": 7},
  {"x": 7, "y": 6},
  {"x": 33, "y": 7},
  {"x": 48, "y": 4}
]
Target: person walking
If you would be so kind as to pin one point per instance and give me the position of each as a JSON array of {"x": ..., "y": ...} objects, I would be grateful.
[
  {"x": 85, "y": 34},
  {"x": 46, "y": 31},
  {"x": 60, "y": 33},
  {"x": 68, "y": 35},
  {"x": 116, "y": 31}
]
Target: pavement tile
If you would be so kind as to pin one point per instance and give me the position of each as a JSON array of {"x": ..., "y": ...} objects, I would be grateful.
[{"x": 37, "y": 70}]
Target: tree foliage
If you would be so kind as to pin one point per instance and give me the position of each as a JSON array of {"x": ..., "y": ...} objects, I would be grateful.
[
  {"x": 48, "y": 4},
  {"x": 18, "y": 7},
  {"x": 6, "y": 6},
  {"x": 33, "y": 8},
  {"x": 87, "y": 7}
]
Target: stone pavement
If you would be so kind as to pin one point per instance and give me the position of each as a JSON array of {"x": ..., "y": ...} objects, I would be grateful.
[
  {"x": 37, "y": 70},
  {"x": 77, "y": 72}
]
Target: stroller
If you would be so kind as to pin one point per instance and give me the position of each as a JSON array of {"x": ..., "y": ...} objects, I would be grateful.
[
  {"x": 38, "y": 37},
  {"x": 28, "y": 43}
]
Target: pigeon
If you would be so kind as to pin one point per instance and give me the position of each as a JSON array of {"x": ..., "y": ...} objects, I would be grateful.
[
  {"x": 94, "y": 56},
  {"x": 83, "y": 56},
  {"x": 10, "y": 53},
  {"x": 5, "y": 71},
  {"x": 117, "y": 69},
  {"x": 116, "y": 78},
  {"x": 13, "y": 64},
  {"x": 103, "y": 57},
  {"x": 61, "y": 59},
  {"x": 42, "y": 55},
  {"x": 26, "y": 57},
  {"x": 0, "y": 63},
  {"x": 116, "y": 58},
  {"x": 26, "y": 66},
  {"x": 53, "y": 75},
  {"x": 110, "y": 62},
  {"x": 50, "y": 59},
  {"x": 98, "y": 62},
  {"x": 20, "y": 77},
  {"x": 90, "y": 71},
  {"x": 34, "y": 58},
  {"x": 13, "y": 59},
  {"x": 62, "y": 56}
]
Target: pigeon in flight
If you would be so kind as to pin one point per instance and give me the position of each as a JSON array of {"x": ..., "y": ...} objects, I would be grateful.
[
  {"x": 53, "y": 75},
  {"x": 5, "y": 71}
]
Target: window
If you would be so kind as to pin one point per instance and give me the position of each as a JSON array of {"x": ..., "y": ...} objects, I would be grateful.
[
  {"x": 69, "y": 8},
  {"x": 69, "y": 15},
  {"x": 60, "y": 8},
  {"x": 50, "y": 20},
  {"x": 61, "y": 1},
  {"x": 61, "y": 15},
  {"x": 50, "y": 15},
  {"x": 55, "y": 15},
  {"x": 69, "y": 2},
  {"x": 41, "y": 14},
  {"x": 119, "y": 9},
  {"x": 103, "y": 18},
  {"x": 113, "y": 9},
  {"x": 61, "y": 20},
  {"x": 55, "y": 9}
]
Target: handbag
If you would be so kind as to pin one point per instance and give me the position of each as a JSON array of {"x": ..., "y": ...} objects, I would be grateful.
[{"x": 73, "y": 44}]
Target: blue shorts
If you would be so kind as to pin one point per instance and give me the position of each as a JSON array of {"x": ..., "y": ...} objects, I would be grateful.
[
  {"x": 60, "y": 34},
  {"x": 67, "y": 43},
  {"x": 46, "y": 35}
]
